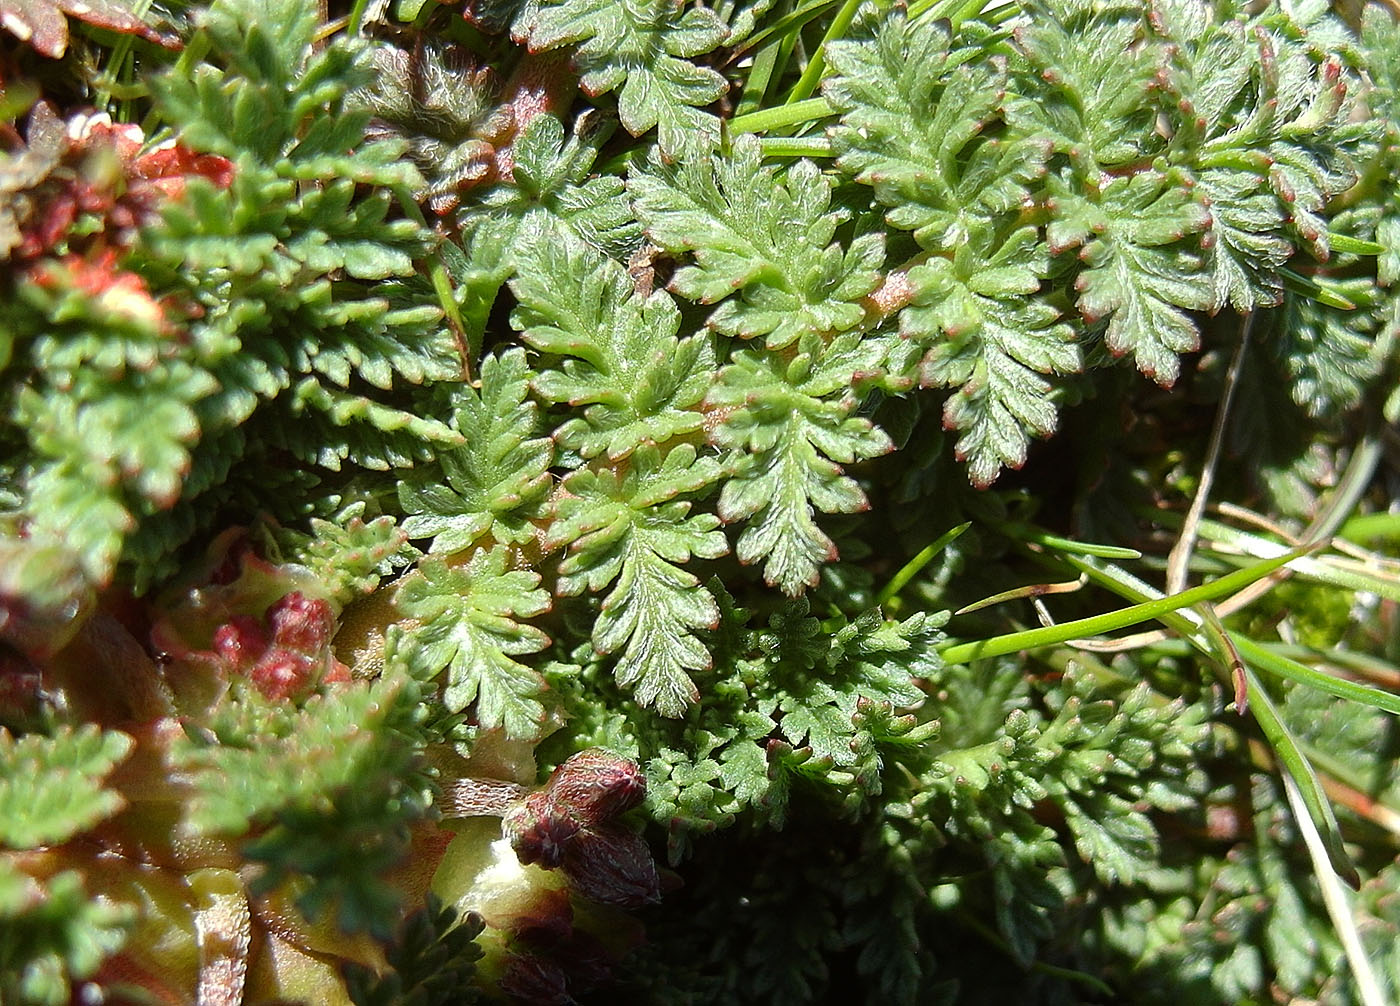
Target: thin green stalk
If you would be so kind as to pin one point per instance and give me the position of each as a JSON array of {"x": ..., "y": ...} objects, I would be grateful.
[
  {"x": 1043, "y": 538},
  {"x": 1278, "y": 666},
  {"x": 1290, "y": 757},
  {"x": 788, "y": 26},
  {"x": 442, "y": 287},
  {"x": 356, "y": 18},
  {"x": 1335, "y": 899},
  {"x": 1261, "y": 657},
  {"x": 781, "y": 115},
  {"x": 911, "y": 568},
  {"x": 1364, "y": 664},
  {"x": 958, "y": 12},
  {"x": 1329, "y": 571},
  {"x": 760, "y": 77},
  {"x": 796, "y": 146},
  {"x": 1315, "y": 288},
  {"x": 816, "y": 66},
  {"x": 1034, "y": 591},
  {"x": 1345, "y": 244},
  {"x": 1297, "y": 768},
  {"x": 109, "y": 81},
  {"x": 1049, "y": 635},
  {"x": 1372, "y": 527}
]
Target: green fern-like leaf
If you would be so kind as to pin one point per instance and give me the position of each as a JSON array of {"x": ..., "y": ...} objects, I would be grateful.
[
  {"x": 994, "y": 343},
  {"x": 51, "y": 786},
  {"x": 432, "y": 961},
  {"x": 1089, "y": 86},
  {"x": 498, "y": 480},
  {"x": 915, "y": 114},
  {"x": 766, "y": 243},
  {"x": 348, "y": 555},
  {"x": 1329, "y": 355},
  {"x": 634, "y": 531},
  {"x": 792, "y": 420},
  {"x": 641, "y": 49},
  {"x": 1138, "y": 273},
  {"x": 330, "y": 787},
  {"x": 551, "y": 178},
  {"x": 1269, "y": 136},
  {"x": 52, "y": 935},
  {"x": 623, "y": 362},
  {"x": 472, "y": 630}
]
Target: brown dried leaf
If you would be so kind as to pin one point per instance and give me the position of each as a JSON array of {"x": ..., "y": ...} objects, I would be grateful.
[
  {"x": 41, "y": 23},
  {"x": 45, "y": 146}
]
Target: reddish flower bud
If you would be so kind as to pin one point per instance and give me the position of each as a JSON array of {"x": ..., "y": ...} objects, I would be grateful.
[
  {"x": 281, "y": 674},
  {"x": 596, "y": 785},
  {"x": 612, "y": 866},
  {"x": 240, "y": 640},
  {"x": 531, "y": 979},
  {"x": 538, "y": 830}
]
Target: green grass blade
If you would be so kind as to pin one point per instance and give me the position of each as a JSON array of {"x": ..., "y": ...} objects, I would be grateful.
[
  {"x": 1348, "y": 245},
  {"x": 759, "y": 79},
  {"x": 787, "y": 26},
  {"x": 1292, "y": 761},
  {"x": 1039, "y": 536},
  {"x": 1278, "y": 666},
  {"x": 796, "y": 146},
  {"x": 911, "y": 568},
  {"x": 780, "y": 115},
  {"x": 1109, "y": 621},
  {"x": 816, "y": 66}
]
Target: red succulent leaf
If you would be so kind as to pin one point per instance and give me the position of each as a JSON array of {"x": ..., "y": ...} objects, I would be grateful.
[
  {"x": 301, "y": 623},
  {"x": 90, "y": 169},
  {"x": 41, "y": 23}
]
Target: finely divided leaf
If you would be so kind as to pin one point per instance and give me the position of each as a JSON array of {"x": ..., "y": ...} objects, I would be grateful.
[
  {"x": 1267, "y": 131},
  {"x": 766, "y": 239},
  {"x": 634, "y": 531},
  {"x": 53, "y": 934},
  {"x": 1139, "y": 274},
  {"x": 644, "y": 48},
  {"x": 638, "y": 383},
  {"x": 349, "y": 555},
  {"x": 552, "y": 183},
  {"x": 51, "y": 786},
  {"x": 915, "y": 114},
  {"x": 494, "y": 483},
  {"x": 1090, "y": 85},
  {"x": 1330, "y": 356},
  {"x": 472, "y": 629},
  {"x": 791, "y": 417},
  {"x": 995, "y": 344}
]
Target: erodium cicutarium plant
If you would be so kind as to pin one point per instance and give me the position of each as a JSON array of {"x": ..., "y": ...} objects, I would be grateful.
[{"x": 654, "y": 501}]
